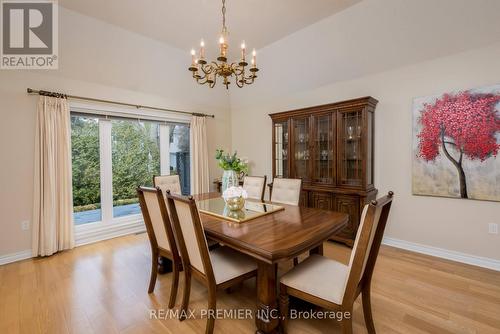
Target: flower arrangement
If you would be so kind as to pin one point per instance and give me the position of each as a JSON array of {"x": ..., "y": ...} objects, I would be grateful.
[
  {"x": 231, "y": 162},
  {"x": 233, "y": 192}
]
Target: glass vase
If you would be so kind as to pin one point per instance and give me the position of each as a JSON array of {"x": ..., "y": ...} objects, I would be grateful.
[{"x": 229, "y": 179}]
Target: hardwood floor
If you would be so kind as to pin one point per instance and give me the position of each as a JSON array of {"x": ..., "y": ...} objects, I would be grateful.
[{"x": 102, "y": 288}]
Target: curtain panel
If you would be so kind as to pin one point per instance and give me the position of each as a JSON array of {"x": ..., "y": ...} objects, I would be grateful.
[
  {"x": 53, "y": 228},
  {"x": 201, "y": 181}
]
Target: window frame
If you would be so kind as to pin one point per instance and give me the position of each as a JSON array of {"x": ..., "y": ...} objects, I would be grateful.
[{"x": 110, "y": 227}]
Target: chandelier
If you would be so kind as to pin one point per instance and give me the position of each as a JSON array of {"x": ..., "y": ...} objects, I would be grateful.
[{"x": 207, "y": 73}]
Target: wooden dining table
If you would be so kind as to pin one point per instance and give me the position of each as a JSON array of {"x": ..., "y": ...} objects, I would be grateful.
[{"x": 271, "y": 239}]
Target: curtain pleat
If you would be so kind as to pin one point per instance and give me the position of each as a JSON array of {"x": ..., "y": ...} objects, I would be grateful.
[
  {"x": 53, "y": 228},
  {"x": 198, "y": 136}
]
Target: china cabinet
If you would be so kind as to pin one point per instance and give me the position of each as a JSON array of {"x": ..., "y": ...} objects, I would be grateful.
[{"x": 330, "y": 147}]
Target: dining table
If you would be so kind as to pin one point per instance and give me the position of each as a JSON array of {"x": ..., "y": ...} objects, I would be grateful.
[{"x": 270, "y": 239}]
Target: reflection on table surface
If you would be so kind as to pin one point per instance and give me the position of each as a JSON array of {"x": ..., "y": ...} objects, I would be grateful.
[{"x": 253, "y": 209}]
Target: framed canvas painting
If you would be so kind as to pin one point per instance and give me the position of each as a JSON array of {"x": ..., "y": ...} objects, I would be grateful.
[{"x": 456, "y": 144}]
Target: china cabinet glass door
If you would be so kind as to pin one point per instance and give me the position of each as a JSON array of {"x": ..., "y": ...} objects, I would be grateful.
[
  {"x": 281, "y": 149},
  {"x": 323, "y": 149},
  {"x": 350, "y": 132},
  {"x": 301, "y": 147}
]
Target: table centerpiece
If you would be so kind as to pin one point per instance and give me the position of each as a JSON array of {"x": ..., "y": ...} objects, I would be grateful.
[
  {"x": 233, "y": 167},
  {"x": 235, "y": 198}
]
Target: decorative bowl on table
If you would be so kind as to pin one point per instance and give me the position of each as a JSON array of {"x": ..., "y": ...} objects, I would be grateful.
[
  {"x": 235, "y": 198},
  {"x": 238, "y": 214}
]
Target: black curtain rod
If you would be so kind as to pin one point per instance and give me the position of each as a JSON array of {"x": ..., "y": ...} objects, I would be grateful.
[{"x": 138, "y": 106}]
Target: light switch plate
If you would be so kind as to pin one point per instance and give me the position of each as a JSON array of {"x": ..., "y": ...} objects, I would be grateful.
[
  {"x": 25, "y": 225},
  {"x": 492, "y": 228}
]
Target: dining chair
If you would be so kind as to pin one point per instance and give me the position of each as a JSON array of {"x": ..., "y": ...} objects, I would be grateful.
[
  {"x": 168, "y": 182},
  {"x": 286, "y": 191},
  {"x": 255, "y": 186},
  {"x": 161, "y": 236},
  {"x": 333, "y": 285},
  {"x": 172, "y": 183},
  {"x": 217, "y": 269}
]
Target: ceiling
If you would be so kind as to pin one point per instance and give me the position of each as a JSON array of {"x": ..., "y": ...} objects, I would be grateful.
[{"x": 183, "y": 23}]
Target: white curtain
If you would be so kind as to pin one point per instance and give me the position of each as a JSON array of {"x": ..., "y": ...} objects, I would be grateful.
[
  {"x": 199, "y": 151},
  {"x": 52, "y": 204}
]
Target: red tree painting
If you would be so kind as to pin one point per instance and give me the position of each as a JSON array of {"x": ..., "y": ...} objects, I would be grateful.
[{"x": 462, "y": 125}]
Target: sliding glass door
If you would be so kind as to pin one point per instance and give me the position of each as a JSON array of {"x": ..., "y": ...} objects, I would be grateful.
[
  {"x": 180, "y": 156},
  {"x": 135, "y": 148},
  {"x": 85, "y": 151},
  {"x": 113, "y": 156}
]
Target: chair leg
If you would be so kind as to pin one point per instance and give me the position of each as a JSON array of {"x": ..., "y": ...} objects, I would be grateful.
[
  {"x": 284, "y": 305},
  {"x": 186, "y": 293},
  {"x": 154, "y": 272},
  {"x": 346, "y": 324},
  {"x": 367, "y": 309},
  {"x": 212, "y": 304},
  {"x": 295, "y": 261},
  {"x": 175, "y": 285}
]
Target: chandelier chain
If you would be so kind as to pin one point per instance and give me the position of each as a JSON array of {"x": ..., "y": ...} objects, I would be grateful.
[{"x": 224, "y": 15}]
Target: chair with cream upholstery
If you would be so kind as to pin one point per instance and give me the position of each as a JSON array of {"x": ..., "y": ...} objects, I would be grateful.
[
  {"x": 217, "y": 269},
  {"x": 168, "y": 182},
  {"x": 333, "y": 285},
  {"x": 161, "y": 236},
  {"x": 286, "y": 191},
  {"x": 255, "y": 186},
  {"x": 172, "y": 183}
]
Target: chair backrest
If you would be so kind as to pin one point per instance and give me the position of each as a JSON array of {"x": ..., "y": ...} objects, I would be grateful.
[
  {"x": 286, "y": 191},
  {"x": 156, "y": 219},
  {"x": 255, "y": 186},
  {"x": 190, "y": 235},
  {"x": 168, "y": 182},
  {"x": 367, "y": 244}
]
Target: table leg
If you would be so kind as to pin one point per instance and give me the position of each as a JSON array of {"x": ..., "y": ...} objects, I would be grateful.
[
  {"x": 267, "y": 317},
  {"x": 165, "y": 265}
]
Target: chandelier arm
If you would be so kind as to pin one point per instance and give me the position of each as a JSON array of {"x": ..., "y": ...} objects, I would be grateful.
[
  {"x": 207, "y": 69},
  {"x": 240, "y": 78},
  {"x": 237, "y": 69},
  {"x": 202, "y": 81},
  {"x": 196, "y": 77},
  {"x": 251, "y": 77},
  {"x": 214, "y": 82},
  {"x": 250, "y": 80},
  {"x": 240, "y": 84},
  {"x": 201, "y": 77}
]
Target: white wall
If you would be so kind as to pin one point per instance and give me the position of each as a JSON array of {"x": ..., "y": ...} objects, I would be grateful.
[
  {"x": 347, "y": 55},
  {"x": 96, "y": 60},
  {"x": 293, "y": 77}
]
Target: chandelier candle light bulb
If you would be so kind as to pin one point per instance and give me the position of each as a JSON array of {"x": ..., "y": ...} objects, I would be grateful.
[
  {"x": 207, "y": 72},
  {"x": 193, "y": 57},
  {"x": 243, "y": 51},
  {"x": 202, "y": 49}
]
